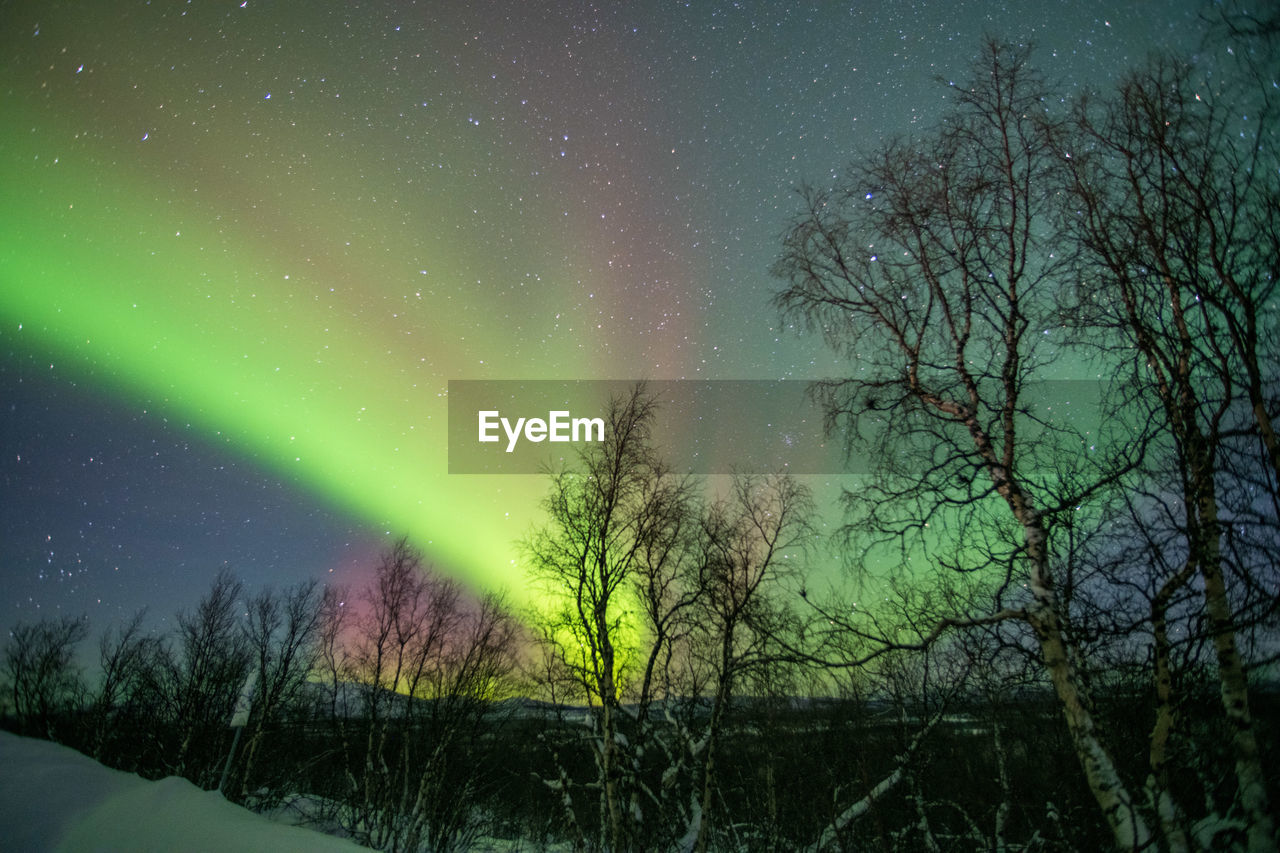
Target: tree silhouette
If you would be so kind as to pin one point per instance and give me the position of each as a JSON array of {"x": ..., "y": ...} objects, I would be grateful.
[
  {"x": 42, "y": 679},
  {"x": 613, "y": 540},
  {"x": 933, "y": 267},
  {"x": 1175, "y": 203}
]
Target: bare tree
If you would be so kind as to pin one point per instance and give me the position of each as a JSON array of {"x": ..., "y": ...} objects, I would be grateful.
[
  {"x": 610, "y": 558},
  {"x": 281, "y": 632},
  {"x": 750, "y": 543},
  {"x": 206, "y": 672},
  {"x": 415, "y": 667},
  {"x": 39, "y": 667},
  {"x": 933, "y": 267},
  {"x": 125, "y": 656},
  {"x": 1177, "y": 210},
  {"x": 659, "y": 607}
]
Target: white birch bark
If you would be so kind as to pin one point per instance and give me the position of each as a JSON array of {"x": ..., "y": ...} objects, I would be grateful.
[{"x": 831, "y": 834}]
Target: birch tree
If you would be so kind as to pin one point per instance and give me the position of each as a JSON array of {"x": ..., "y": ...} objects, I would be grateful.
[
  {"x": 933, "y": 266},
  {"x": 610, "y": 559},
  {"x": 659, "y": 606},
  {"x": 425, "y": 665},
  {"x": 751, "y": 540},
  {"x": 1176, "y": 206}
]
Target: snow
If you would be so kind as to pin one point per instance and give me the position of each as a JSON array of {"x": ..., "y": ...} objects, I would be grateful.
[{"x": 52, "y": 798}]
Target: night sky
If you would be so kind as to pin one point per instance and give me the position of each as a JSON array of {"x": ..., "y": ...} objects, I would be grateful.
[{"x": 245, "y": 246}]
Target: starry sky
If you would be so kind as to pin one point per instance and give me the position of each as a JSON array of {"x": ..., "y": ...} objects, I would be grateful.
[{"x": 246, "y": 245}]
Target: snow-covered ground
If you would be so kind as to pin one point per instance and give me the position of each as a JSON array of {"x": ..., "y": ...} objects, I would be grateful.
[{"x": 52, "y": 798}]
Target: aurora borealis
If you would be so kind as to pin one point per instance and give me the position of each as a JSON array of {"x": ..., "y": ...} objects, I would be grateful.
[{"x": 246, "y": 246}]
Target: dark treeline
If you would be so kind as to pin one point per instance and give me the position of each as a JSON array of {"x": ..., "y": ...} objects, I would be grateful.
[
  {"x": 374, "y": 703},
  {"x": 957, "y": 747},
  {"x": 1059, "y": 630}
]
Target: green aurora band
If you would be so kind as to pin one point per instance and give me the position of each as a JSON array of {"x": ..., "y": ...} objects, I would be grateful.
[
  {"x": 170, "y": 318},
  {"x": 291, "y": 230}
]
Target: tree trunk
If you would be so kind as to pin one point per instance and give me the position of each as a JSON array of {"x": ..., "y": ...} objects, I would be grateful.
[
  {"x": 1233, "y": 683},
  {"x": 1127, "y": 827}
]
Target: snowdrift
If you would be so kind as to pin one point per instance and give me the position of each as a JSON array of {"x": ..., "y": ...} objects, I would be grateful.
[{"x": 52, "y": 798}]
